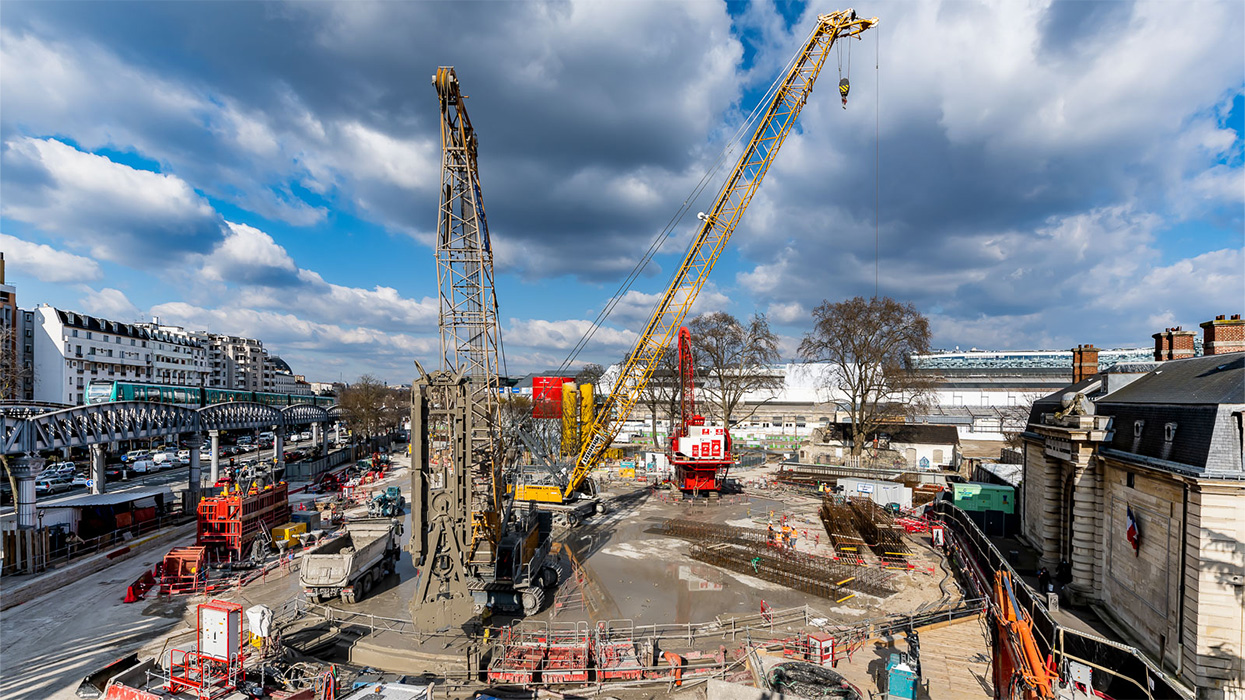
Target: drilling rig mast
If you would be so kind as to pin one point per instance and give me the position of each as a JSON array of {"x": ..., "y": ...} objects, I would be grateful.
[{"x": 473, "y": 551}]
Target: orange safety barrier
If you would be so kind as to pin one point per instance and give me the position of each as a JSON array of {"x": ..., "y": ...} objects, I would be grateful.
[{"x": 139, "y": 588}]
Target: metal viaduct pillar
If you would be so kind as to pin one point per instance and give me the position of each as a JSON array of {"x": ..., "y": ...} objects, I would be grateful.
[
  {"x": 214, "y": 474},
  {"x": 24, "y": 469},
  {"x": 194, "y": 442},
  {"x": 98, "y": 453}
]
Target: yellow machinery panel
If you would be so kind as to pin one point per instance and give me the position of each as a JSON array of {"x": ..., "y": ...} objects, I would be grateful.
[
  {"x": 570, "y": 420},
  {"x": 627, "y": 472},
  {"x": 288, "y": 532},
  {"x": 585, "y": 414},
  {"x": 540, "y": 494}
]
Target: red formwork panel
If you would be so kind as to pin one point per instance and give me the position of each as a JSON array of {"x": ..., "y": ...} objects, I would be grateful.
[
  {"x": 547, "y": 396},
  {"x": 617, "y": 660},
  {"x": 229, "y": 522},
  {"x": 184, "y": 570},
  {"x": 566, "y": 660}
]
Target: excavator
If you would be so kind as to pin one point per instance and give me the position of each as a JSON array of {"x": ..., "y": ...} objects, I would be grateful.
[
  {"x": 790, "y": 94},
  {"x": 1019, "y": 671}
]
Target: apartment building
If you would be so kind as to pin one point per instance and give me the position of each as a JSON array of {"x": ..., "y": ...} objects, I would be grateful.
[
  {"x": 70, "y": 350},
  {"x": 235, "y": 362},
  {"x": 10, "y": 340}
]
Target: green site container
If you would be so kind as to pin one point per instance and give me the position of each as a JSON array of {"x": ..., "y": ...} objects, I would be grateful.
[{"x": 985, "y": 497}]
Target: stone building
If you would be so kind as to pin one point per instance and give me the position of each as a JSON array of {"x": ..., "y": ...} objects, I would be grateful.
[
  {"x": 1158, "y": 448},
  {"x": 71, "y": 350}
]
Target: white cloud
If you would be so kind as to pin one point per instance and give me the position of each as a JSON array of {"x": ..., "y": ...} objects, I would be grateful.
[
  {"x": 45, "y": 263},
  {"x": 111, "y": 304},
  {"x": 117, "y": 212},
  {"x": 563, "y": 335},
  {"x": 789, "y": 314},
  {"x": 248, "y": 255}
]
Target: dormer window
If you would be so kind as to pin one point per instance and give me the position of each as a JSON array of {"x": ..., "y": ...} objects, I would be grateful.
[
  {"x": 1169, "y": 432},
  {"x": 1138, "y": 426}
]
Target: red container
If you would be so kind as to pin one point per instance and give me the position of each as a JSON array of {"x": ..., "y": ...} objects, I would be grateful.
[{"x": 547, "y": 396}]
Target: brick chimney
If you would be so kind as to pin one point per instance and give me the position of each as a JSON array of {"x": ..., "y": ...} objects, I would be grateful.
[
  {"x": 1223, "y": 335},
  {"x": 1084, "y": 362},
  {"x": 1173, "y": 344}
]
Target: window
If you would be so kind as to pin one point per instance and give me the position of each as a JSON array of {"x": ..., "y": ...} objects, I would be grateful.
[
  {"x": 1138, "y": 426},
  {"x": 1169, "y": 432},
  {"x": 131, "y": 341},
  {"x": 88, "y": 335},
  {"x": 1131, "y": 480},
  {"x": 75, "y": 332}
]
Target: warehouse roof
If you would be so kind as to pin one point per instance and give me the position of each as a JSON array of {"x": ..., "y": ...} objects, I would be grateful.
[{"x": 110, "y": 499}]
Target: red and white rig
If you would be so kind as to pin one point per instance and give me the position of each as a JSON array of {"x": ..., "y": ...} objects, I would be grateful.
[{"x": 700, "y": 454}]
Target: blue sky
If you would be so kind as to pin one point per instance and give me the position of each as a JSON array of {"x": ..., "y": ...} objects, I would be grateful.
[{"x": 1050, "y": 173}]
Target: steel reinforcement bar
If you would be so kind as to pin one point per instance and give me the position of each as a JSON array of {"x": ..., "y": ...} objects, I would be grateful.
[
  {"x": 697, "y": 531},
  {"x": 802, "y": 571},
  {"x": 847, "y": 543},
  {"x": 880, "y": 532}
]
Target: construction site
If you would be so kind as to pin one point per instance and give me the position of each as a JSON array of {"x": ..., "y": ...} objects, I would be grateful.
[{"x": 521, "y": 554}]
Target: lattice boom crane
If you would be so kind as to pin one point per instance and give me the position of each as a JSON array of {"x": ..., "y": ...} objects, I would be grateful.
[{"x": 715, "y": 230}]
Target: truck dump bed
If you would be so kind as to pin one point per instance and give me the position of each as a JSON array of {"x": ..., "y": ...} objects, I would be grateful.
[{"x": 337, "y": 561}]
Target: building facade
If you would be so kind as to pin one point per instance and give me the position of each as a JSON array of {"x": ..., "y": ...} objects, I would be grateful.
[
  {"x": 70, "y": 350},
  {"x": 281, "y": 379},
  {"x": 10, "y": 340},
  {"x": 177, "y": 357},
  {"x": 1137, "y": 481},
  {"x": 235, "y": 362}
]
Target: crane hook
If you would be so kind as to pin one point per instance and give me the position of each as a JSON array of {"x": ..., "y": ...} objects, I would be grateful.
[{"x": 844, "y": 87}]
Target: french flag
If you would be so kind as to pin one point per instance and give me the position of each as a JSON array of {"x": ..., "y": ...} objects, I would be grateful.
[{"x": 1134, "y": 535}]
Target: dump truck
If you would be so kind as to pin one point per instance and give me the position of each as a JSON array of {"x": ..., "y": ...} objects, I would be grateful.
[{"x": 351, "y": 564}]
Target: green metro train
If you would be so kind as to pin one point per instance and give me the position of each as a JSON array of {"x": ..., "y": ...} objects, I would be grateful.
[{"x": 100, "y": 391}]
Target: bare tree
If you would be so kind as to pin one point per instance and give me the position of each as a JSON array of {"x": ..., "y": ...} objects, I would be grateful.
[
  {"x": 868, "y": 344},
  {"x": 590, "y": 374},
  {"x": 661, "y": 394},
  {"x": 1013, "y": 420},
  {"x": 13, "y": 374},
  {"x": 733, "y": 361},
  {"x": 371, "y": 408}
]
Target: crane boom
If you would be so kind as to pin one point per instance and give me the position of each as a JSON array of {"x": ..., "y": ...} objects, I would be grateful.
[
  {"x": 468, "y": 312},
  {"x": 715, "y": 230}
]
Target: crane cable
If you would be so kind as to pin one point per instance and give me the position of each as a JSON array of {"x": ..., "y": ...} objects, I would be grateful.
[{"x": 667, "y": 232}]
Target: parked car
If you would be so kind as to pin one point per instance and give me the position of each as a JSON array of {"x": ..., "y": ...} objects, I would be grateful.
[
  {"x": 143, "y": 466},
  {"x": 134, "y": 455},
  {"x": 165, "y": 459},
  {"x": 46, "y": 487}
]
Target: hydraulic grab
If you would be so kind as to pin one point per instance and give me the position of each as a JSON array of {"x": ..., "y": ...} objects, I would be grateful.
[
  {"x": 699, "y": 453},
  {"x": 715, "y": 230}
]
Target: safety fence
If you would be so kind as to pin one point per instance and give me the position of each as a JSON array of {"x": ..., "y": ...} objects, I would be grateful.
[
  {"x": 40, "y": 549},
  {"x": 1119, "y": 670}
]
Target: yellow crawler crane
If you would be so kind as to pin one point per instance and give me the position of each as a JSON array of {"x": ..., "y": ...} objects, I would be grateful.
[{"x": 715, "y": 230}]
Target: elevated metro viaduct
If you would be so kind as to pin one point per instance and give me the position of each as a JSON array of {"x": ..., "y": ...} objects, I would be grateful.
[{"x": 27, "y": 430}]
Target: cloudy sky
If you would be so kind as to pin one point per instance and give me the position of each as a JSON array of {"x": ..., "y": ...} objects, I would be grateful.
[{"x": 1037, "y": 174}]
